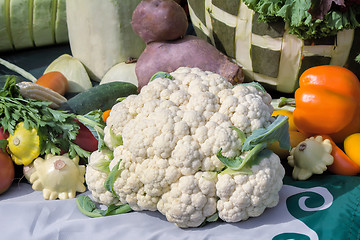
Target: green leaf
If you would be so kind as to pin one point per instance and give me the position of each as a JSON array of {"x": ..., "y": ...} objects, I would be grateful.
[
  {"x": 115, "y": 139},
  {"x": 109, "y": 182},
  {"x": 255, "y": 85},
  {"x": 103, "y": 163},
  {"x": 90, "y": 209},
  {"x": 357, "y": 58},
  {"x": 241, "y": 134},
  {"x": 238, "y": 163},
  {"x": 276, "y": 131},
  {"x": 213, "y": 218},
  {"x": 161, "y": 75}
]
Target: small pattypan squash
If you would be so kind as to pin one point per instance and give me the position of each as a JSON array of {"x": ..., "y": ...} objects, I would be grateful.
[
  {"x": 56, "y": 176},
  {"x": 24, "y": 144},
  {"x": 309, "y": 157}
]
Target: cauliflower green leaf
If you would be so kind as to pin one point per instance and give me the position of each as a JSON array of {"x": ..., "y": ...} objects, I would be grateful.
[
  {"x": 256, "y": 142},
  {"x": 90, "y": 209},
  {"x": 276, "y": 131}
]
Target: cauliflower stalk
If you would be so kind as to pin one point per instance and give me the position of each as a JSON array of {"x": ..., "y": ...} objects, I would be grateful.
[{"x": 192, "y": 147}]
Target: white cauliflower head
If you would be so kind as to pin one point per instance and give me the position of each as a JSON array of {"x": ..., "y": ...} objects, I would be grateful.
[
  {"x": 170, "y": 135},
  {"x": 242, "y": 196}
]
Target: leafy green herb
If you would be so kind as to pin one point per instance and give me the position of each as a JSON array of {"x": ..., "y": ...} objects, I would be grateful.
[
  {"x": 319, "y": 8},
  {"x": 90, "y": 209},
  {"x": 297, "y": 14},
  {"x": 161, "y": 75},
  {"x": 57, "y": 129},
  {"x": 109, "y": 182}
]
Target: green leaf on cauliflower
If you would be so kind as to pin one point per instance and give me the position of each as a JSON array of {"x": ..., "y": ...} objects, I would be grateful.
[
  {"x": 116, "y": 140},
  {"x": 90, "y": 209},
  {"x": 276, "y": 131},
  {"x": 102, "y": 164},
  {"x": 239, "y": 162},
  {"x": 256, "y": 142},
  {"x": 161, "y": 75},
  {"x": 109, "y": 182}
]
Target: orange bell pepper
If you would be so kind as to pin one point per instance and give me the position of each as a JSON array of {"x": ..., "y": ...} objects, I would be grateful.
[{"x": 328, "y": 102}]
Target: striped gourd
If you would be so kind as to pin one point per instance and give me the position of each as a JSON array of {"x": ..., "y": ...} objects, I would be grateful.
[
  {"x": 32, "y": 23},
  {"x": 266, "y": 51}
]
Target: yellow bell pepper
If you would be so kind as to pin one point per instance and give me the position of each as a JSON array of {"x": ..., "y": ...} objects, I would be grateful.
[{"x": 24, "y": 145}]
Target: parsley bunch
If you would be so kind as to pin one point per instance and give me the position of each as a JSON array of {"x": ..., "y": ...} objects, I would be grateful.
[{"x": 57, "y": 129}]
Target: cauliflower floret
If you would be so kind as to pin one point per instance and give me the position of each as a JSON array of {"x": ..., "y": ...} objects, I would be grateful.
[
  {"x": 95, "y": 177},
  {"x": 190, "y": 201},
  {"x": 242, "y": 196}
]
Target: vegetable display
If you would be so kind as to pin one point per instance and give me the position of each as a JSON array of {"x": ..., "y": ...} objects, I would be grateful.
[{"x": 193, "y": 147}]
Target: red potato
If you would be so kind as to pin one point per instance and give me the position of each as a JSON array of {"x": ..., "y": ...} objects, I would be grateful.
[
  {"x": 159, "y": 20},
  {"x": 190, "y": 51}
]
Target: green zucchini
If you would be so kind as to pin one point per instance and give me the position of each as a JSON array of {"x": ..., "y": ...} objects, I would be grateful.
[{"x": 102, "y": 97}]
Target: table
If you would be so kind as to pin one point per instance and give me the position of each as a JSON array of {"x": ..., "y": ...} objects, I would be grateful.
[{"x": 323, "y": 207}]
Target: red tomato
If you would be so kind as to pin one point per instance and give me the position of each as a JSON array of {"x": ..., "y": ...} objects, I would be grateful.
[{"x": 7, "y": 171}]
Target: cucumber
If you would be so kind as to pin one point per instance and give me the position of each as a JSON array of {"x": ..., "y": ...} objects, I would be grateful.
[{"x": 102, "y": 97}]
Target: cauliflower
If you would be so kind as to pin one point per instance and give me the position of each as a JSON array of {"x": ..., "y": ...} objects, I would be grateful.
[{"x": 172, "y": 139}]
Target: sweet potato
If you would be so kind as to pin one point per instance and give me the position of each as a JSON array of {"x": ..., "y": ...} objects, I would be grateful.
[
  {"x": 159, "y": 20},
  {"x": 190, "y": 51}
]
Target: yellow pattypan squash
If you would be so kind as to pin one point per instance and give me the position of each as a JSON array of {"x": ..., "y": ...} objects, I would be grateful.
[{"x": 24, "y": 145}]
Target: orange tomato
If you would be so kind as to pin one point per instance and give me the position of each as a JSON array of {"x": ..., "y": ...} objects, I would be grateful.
[
  {"x": 342, "y": 164},
  {"x": 106, "y": 114},
  {"x": 328, "y": 102},
  {"x": 54, "y": 80}
]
